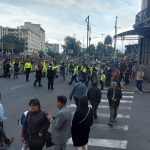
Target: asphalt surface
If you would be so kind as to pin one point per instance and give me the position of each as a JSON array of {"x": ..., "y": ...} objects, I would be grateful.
[{"x": 131, "y": 132}]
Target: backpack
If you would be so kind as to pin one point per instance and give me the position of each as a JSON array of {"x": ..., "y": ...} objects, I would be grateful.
[{"x": 22, "y": 118}]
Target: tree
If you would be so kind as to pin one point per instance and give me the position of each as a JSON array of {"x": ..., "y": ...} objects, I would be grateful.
[
  {"x": 71, "y": 46},
  {"x": 100, "y": 48},
  {"x": 91, "y": 50},
  {"x": 41, "y": 54},
  {"x": 12, "y": 44},
  {"x": 108, "y": 40}
]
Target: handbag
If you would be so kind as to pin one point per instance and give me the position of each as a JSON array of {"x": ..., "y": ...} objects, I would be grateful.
[
  {"x": 48, "y": 139},
  {"x": 85, "y": 117}
]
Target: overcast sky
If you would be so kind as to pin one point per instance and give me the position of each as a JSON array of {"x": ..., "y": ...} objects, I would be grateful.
[{"x": 60, "y": 18}]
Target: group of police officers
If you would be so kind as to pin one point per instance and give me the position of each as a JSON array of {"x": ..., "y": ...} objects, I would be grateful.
[{"x": 67, "y": 72}]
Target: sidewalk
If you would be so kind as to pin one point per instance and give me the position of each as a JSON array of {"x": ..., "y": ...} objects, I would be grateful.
[{"x": 132, "y": 86}]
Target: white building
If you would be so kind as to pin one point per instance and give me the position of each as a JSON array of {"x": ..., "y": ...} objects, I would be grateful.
[
  {"x": 53, "y": 47},
  {"x": 34, "y": 36}
]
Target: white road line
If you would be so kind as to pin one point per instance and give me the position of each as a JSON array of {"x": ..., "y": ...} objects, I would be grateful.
[
  {"x": 20, "y": 86},
  {"x": 117, "y": 127},
  {"x": 102, "y": 107},
  {"x": 124, "y": 96},
  {"x": 103, "y": 115},
  {"x": 118, "y": 144},
  {"x": 122, "y": 101},
  {"x": 124, "y": 92}
]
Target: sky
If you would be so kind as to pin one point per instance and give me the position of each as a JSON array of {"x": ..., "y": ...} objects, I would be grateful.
[{"x": 60, "y": 18}]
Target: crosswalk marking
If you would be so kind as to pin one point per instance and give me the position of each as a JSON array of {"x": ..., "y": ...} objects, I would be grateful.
[
  {"x": 117, "y": 127},
  {"x": 120, "y": 144},
  {"x": 118, "y": 115},
  {"x": 102, "y": 107},
  {"x": 121, "y": 101},
  {"x": 112, "y": 143},
  {"x": 124, "y": 96},
  {"x": 124, "y": 92}
]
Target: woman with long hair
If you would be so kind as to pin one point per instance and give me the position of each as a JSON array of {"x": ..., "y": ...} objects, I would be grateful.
[{"x": 81, "y": 124}]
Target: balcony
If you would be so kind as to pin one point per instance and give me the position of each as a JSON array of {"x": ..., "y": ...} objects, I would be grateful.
[{"x": 142, "y": 17}]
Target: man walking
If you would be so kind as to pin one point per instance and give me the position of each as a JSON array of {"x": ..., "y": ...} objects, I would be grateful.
[
  {"x": 114, "y": 96},
  {"x": 78, "y": 90},
  {"x": 61, "y": 124},
  {"x": 139, "y": 80},
  {"x": 94, "y": 96}
]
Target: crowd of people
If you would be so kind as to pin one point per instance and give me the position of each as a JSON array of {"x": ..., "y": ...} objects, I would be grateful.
[{"x": 36, "y": 122}]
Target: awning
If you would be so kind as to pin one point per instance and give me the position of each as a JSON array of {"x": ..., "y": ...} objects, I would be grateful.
[{"x": 139, "y": 31}]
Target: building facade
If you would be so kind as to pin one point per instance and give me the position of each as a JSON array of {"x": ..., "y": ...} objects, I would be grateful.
[
  {"x": 53, "y": 47},
  {"x": 32, "y": 34},
  {"x": 143, "y": 22},
  {"x": 35, "y": 37}
]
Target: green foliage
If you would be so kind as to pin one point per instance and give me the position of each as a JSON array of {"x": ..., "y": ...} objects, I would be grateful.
[
  {"x": 41, "y": 54},
  {"x": 56, "y": 56},
  {"x": 100, "y": 49},
  {"x": 72, "y": 45},
  {"x": 108, "y": 40},
  {"x": 91, "y": 50}
]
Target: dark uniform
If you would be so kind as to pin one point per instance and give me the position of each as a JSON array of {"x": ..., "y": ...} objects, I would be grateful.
[
  {"x": 50, "y": 77},
  {"x": 94, "y": 96},
  {"x": 38, "y": 75},
  {"x": 16, "y": 69}
]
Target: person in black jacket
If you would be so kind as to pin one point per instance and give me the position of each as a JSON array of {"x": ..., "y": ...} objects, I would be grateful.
[
  {"x": 81, "y": 124},
  {"x": 16, "y": 68},
  {"x": 50, "y": 76},
  {"x": 114, "y": 96},
  {"x": 94, "y": 96},
  {"x": 35, "y": 126},
  {"x": 38, "y": 75}
]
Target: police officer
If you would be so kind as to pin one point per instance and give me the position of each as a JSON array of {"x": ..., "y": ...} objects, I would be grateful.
[
  {"x": 74, "y": 76},
  {"x": 50, "y": 76},
  {"x": 27, "y": 69},
  {"x": 16, "y": 65},
  {"x": 38, "y": 75}
]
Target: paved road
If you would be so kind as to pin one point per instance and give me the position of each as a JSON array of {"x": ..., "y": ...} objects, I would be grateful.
[{"x": 130, "y": 132}]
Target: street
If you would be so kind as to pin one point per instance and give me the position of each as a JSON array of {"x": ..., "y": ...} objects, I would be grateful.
[{"x": 131, "y": 132}]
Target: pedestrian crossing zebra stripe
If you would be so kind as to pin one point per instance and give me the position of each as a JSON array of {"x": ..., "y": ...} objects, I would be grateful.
[
  {"x": 124, "y": 96},
  {"x": 116, "y": 127},
  {"x": 102, "y": 107},
  {"x": 103, "y": 115},
  {"x": 118, "y": 144},
  {"x": 121, "y": 101},
  {"x": 124, "y": 92}
]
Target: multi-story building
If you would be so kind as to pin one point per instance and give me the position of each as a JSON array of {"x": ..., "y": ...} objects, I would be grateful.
[
  {"x": 53, "y": 47},
  {"x": 142, "y": 28},
  {"x": 34, "y": 31},
  {"x": 33, "y": 35}
]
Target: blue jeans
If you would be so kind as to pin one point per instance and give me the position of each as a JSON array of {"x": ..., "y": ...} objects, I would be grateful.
[{"x": 139, "y": 84}]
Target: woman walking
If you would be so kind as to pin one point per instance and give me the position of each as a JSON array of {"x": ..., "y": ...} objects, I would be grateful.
[
  {"x": 35, "y": 126},
  {"x": 81, "y": 124}
]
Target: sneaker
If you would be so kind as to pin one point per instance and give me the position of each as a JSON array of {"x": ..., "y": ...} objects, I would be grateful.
[
  {"x": 141, "y": 93},
  {"x": 110, "y": 124}
]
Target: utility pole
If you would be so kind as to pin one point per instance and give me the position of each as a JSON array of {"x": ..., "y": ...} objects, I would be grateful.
[
  {"x": 87, "y": 20},
  {"x": 89, "y": 35},
  {"x": 115, "y": 38}
]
